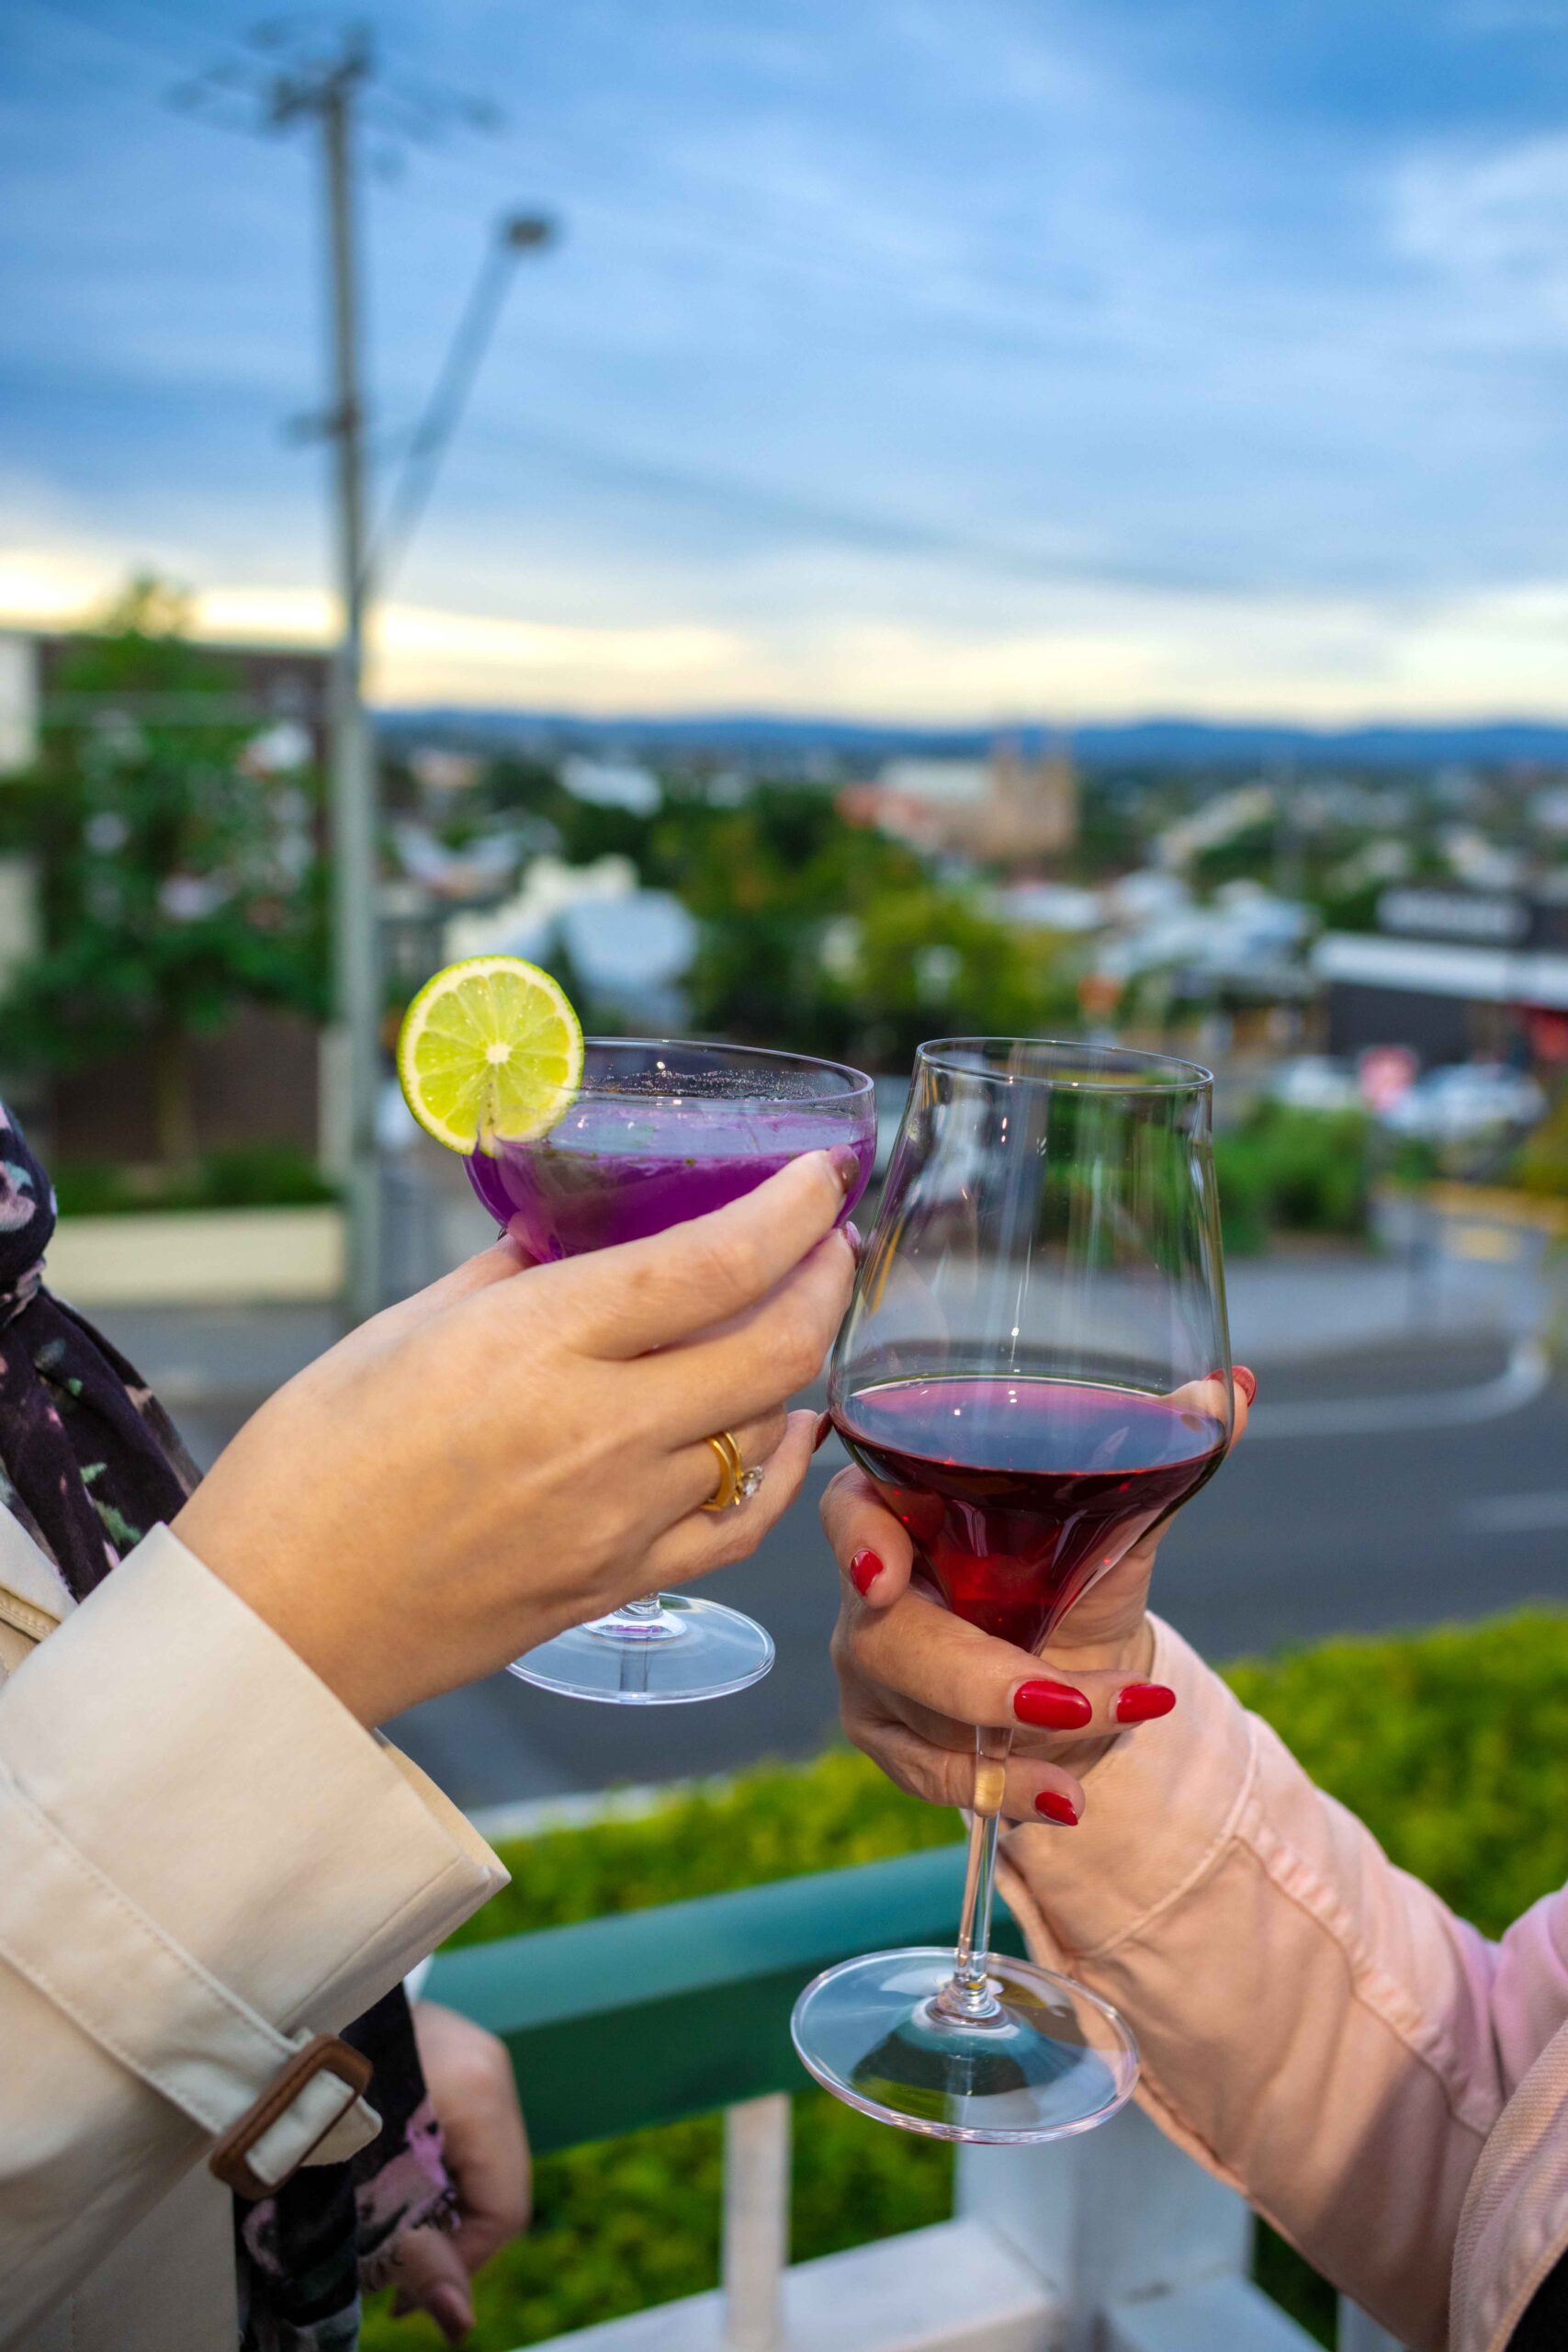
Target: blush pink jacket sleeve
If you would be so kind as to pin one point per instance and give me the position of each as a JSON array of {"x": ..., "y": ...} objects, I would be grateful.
[{"x": 1316, "y": 2027}]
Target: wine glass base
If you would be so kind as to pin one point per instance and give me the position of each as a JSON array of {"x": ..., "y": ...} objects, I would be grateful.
[
  {"x": 1051, "y": 2059},
  {"x": 693, "y": 1649}
]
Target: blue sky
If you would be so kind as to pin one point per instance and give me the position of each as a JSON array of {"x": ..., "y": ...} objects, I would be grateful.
[{"x": 976, "y": 360}]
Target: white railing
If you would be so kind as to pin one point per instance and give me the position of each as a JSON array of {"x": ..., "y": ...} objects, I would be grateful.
[{"x": 1115, "y": 2242}]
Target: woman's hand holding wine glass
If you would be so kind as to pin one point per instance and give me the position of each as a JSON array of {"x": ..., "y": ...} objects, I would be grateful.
[
  {"x": 1034, "y": 1375},
  {"x": 914, "y": 1679}
]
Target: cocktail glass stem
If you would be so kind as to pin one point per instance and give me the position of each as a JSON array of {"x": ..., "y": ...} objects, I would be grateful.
[
  {"x": 969, "y": 1994},
  {"x": 641, "y": 1620}
]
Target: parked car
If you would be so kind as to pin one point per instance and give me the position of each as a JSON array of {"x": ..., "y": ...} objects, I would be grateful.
[
  {"x": 1315, "y": 1083},
  {"x": 1466, "y": 1100}
]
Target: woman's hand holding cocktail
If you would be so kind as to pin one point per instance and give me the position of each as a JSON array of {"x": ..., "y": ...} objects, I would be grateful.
[
  {"x": 914, "y": 1679},
  {"x": 499, "y": 1458}
]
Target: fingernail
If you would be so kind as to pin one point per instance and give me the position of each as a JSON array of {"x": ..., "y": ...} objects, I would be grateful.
[
  {"x": 846, "y": 1166},
  {"x": 1056, "y": 1807},
  {"x": 865, "y": 1570},
  {"x": 824, "y": 1432},
  {"x": 852, "y": 1236},
  {"x": 1140, "y": 1703},
  {"x": 1245, "y": 1380},
  {"x": 451, "y": 2310},
  {"x": 1052, "y": 1706}
]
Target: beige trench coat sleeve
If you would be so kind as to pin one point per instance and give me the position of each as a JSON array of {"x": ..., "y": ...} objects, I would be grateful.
[
  {"x": 204, "y": 1859},
  {"x": 1315, "y": 2025}
]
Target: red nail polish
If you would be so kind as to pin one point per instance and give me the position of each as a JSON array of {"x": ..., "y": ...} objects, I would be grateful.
[
  {"x": 824, "y": 1430},
  {"x": 865, "y": 1570},
  {"x": 1052, "y": 1706},
  {"x": 1057, "y": 1808},
  {"x": 1140, "y": 1703},
  {"x": 1245, "y": 1380},
  {"x": 846, "y": 1166}
]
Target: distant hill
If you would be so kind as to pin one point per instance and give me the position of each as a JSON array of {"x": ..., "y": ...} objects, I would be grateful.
[{"x": 1170, "y": 742}]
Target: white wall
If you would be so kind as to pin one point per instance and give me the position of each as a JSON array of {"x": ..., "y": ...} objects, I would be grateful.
[{"x": 19, "y": 702}]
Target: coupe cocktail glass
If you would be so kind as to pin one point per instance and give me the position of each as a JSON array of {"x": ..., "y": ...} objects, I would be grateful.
[
  {"x": 1035, "y": 1371},
  {"x": 661, "y": 1131}
]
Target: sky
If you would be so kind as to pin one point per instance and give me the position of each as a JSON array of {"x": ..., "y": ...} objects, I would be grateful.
[{"x": 949, "y": 361}]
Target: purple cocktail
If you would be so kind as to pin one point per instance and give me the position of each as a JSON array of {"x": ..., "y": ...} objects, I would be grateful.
[
  {"x": 657, "y": 1132},
  {"x": 618, "y": 1168}
]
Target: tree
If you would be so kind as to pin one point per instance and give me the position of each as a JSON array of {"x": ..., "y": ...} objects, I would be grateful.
[
  {"x": 769, "y": 880},
  {"x": 927, "y": 962},
  {"x": 177, "y": 885}
]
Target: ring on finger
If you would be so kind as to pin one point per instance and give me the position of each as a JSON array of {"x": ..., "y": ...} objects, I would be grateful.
[{"x": 737, "y": 1484}]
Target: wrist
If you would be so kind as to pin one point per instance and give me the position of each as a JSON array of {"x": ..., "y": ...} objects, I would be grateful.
[
  {"x": 1131, "y": 1654},
  {"x": 1132, "y": 1657},
  {"x": 296, "y": 1608}
]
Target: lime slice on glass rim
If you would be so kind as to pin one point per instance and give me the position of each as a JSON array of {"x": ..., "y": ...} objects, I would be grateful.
[{"x": 490, "y": 1053}]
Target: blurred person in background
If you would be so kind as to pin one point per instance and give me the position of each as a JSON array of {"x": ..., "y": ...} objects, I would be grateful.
[
  {"x": 1385, "y": 2085},
  {"x": 213, "y": 1878}
]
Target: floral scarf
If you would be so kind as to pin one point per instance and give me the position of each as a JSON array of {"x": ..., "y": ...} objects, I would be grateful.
[{"x": 89, "y": 1462}]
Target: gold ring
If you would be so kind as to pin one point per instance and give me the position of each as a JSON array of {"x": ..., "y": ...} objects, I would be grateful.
[{"x": 737, "y": 1485}]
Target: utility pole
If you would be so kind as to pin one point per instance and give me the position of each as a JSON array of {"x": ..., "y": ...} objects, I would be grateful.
[
  {"x": 327, "y": 94},
  {"x": 327, "y": 97}
]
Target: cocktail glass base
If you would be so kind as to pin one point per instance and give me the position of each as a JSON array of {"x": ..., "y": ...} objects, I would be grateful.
[
  {"x": 685, "y": 1650},
  {"x": 1047, "y": 2060}
]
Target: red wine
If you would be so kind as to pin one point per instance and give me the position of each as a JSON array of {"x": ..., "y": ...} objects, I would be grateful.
[{"x": 1021, "y": 1493}]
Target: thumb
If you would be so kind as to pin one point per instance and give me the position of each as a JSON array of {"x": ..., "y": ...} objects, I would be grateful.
[
  {"x": 504, "y": 1258},
  {"x": 431, "y": 2278}
]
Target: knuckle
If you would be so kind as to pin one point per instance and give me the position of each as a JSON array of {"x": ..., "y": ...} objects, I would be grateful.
[
  {"x": 841, "y": 1641},
  {"x": 636, "y": 1286},
  {"x": 473, "y": 2077},
  {"x": 747, "y": 1536},
  {"x": 800, "y": 1350},
  {"x": 729, "y": 1261},
  {"x": 856, "y": 1728}
]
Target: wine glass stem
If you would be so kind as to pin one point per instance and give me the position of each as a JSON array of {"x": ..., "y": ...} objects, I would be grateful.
[
  {"x": 640, "y": 1610},
  {"x": 968, "y": 1992}
]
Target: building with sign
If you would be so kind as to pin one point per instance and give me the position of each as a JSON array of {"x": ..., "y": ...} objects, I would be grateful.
[{"x": 1455, "y": 974}]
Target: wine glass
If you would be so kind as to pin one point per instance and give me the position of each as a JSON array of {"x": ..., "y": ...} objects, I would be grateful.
[
  {"x": 1034, "y": 1369},
  {"x": 660, "y": 1131}
]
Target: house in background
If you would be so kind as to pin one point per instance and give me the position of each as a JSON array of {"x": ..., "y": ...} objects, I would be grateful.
[
  {"x": 631, "y": 947},
  {"x": 1013, "y": 810}
]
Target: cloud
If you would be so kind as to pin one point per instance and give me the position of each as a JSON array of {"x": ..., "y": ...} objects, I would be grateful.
[
  {"x": 1108, "y": 653},
  {"x": 893, "y": 355},
  {"x": 1496, "y": 221}
]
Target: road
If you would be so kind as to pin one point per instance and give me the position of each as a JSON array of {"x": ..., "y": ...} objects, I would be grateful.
[
  {"x": 1299, "y": 1537},
  {"x": 1397, "y": 1473}
]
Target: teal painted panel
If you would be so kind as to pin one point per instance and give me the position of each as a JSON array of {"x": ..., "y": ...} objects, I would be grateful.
[{"x": 652, "y": 2016}]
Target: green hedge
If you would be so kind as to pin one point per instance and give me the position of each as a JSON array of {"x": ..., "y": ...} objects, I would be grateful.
[
  {"x": 253, "y": 1176},
  {"x": 1289, "y": 1171},
  {"x": 1453, "y": 1745}
]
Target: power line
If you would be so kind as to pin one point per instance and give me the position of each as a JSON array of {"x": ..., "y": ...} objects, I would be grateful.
[{"x": 164, "y": 54}]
